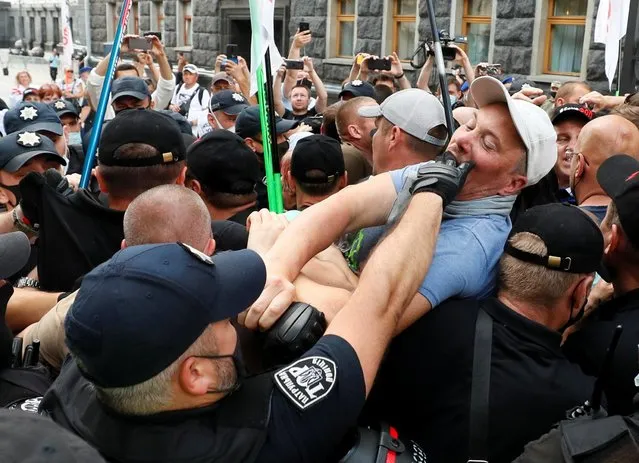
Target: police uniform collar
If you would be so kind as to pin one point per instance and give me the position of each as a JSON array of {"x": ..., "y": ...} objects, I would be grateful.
[
  {"x": 624, "y": 303},
  {"x": 524, "y": 327}
]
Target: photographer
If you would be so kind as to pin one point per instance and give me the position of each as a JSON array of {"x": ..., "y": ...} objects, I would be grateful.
[
  {"x": 300, "y": 95},
  {"x": 166, "y": 84},
  {"x": 460, "y": 58},
  {"x": 190, "y": 99}
]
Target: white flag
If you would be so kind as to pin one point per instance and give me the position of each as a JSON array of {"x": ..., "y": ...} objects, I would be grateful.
[
  {"x": 610, "y": 27},
  {"x": 263, "y": 38},
  {"x": 67, "y": 39}
]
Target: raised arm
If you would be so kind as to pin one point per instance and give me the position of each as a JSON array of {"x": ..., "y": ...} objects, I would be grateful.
[
  {"x": 277, "y": 91},
  {"x": 397, "y": 72},
  {"x": 320, "y": 90},
  {"x": 424, "y": 75}
]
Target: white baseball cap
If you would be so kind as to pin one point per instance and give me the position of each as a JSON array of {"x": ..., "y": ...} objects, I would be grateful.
[
  {"x": 414, "y": 111},
  {"x": 532, "y": 124},
  {"x": 192, "y": 68}
]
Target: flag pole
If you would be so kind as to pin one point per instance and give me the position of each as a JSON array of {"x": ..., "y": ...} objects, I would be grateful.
[
  {"x": 104, "y": 96},
  {"x": 275, "y": 176}
]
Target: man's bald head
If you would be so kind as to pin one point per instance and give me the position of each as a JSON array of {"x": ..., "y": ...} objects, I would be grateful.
[
  {"x": 347, "y": 112},
  {"x": 571, "y": 92},
  {"x": 464, "y": 114},
  {"x": 606, "y": 136},
  {"x": 598, "y": 140},
  {"x": 166, "y": 214}
]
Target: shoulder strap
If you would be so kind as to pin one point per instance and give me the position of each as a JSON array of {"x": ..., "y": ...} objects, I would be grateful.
[
  {"x": 480, "y": 389},
  {"x": 178, "y": 88}
]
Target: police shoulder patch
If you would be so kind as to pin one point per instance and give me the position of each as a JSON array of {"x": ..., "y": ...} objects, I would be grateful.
[{"x": 307, "y": 381}]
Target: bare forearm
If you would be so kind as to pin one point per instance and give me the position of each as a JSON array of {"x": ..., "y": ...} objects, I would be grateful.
[
  {"x": 6, "y": 223},
  {"x": 103, "y": 65},
  {"x": 322, "y": 94},
  {"x": 28, "y": 306},
  {"x": 389, "y": 282},
  {"x": 470, "y": 72},
  {"x": 424, "y": 76},
  {"x": 277, "y": 96},
  {"x": 404, "y": 83},
  {"x": 165, "y": 67}
]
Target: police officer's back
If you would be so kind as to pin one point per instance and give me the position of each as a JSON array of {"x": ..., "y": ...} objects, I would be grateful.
[{"x": 480, "y": 379}]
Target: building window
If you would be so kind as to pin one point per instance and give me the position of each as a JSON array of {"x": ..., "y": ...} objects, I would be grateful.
[
  {"x": 56, "y": 31},
  {"x": 32, "y": 31},
  {"x": 404, "y": 26},
  {"x": 185, "y": 20},
  {"x": 345, "y": 27},
  {"x": 157, "y": 17},
  {"x": 134, "y": 19},
  {"x": 43, "y": 29},
  {"x": 565, "y": 31},
  {"x": 12, "y": 28},
  {"x": 476, "y": 27}
]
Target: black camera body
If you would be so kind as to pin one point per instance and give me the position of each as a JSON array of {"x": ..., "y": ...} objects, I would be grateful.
[{"x": 445, "y": 39}]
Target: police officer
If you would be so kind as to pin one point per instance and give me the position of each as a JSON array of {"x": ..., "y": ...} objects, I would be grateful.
[
  {"x": 224, "y": 108},
  {"x": 21, "y": 153},
  {"x": 70, "y": 119},
  {"x": 619, "y": 178},
  {"x": 151, "y": 339}
]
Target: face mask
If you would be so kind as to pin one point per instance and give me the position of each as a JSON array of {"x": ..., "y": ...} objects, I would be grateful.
[
  {"x": 240, "y": 371},
  {"x": 75, "y": 138},
  {"x": 553, "y": 94},
  {"x": 453, "y": 99},
  {"x": 572, "y": 320},
  {"x": 15, "y": 189}
]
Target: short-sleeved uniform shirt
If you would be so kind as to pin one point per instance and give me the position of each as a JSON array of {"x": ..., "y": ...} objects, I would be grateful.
[{"x": 424, "y": 385}]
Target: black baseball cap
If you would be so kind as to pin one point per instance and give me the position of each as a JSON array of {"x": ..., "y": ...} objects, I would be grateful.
[
  {"x": 358, "y": 88},
  {"x": 64, "y": 107},
  {"x": 317, "y": 153},
  {"x": 30, "y": 91},
  {"x": 572, "y": 111},
  {"x": 223, "y": 163},
  {"x": 141, "y": 310},
  {"x": 30, "y": 437},
  {"x": 18, "y": 148},
  {"x": 574, "y": 242},
  {"x": 129, "y": 86},
  {"x": 141, "y": 126},
  {"x": 231, "y": 103},
  {"x": 619, "y": 177},
  {"x": 34, "y": 117},
  {"x": 247, "y": 124}
]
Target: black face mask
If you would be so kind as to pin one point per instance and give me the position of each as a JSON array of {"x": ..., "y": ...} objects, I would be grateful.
[
  {"x": 15, "y": 189},
  {"x": 240, "y": 370},
  {"x": 572, "y": 320},
  {"x": 553, "y": 94}
]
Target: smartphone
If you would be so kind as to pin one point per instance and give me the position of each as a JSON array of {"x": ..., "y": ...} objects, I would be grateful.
[
  {"x": 231, "y": 52},
  {"x": 139, "y": 43},
  {"x": 379, "y": 64},
  {"x": 304, "y": 26},
  {"x": 153, "y": 34},
  {"x": 294, "y": 64}
]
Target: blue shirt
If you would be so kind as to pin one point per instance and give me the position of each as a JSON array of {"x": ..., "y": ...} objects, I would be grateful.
[{"x": 466, "y": 255}]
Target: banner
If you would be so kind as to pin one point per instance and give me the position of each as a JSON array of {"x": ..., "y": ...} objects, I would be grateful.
[
  {"x": 263, "y": 38},
  {"x": 67, "y": 38},
  {"x": 610, "y": 28}
]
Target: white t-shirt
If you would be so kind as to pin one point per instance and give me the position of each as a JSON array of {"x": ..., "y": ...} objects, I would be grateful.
[{"x": 197, "y": 111}]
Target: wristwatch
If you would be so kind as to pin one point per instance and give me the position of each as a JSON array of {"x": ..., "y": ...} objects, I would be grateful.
[{"x": 26, "y": 282}]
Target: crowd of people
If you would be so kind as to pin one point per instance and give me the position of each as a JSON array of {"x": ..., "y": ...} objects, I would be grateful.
[{"x": 435, "y": 293}]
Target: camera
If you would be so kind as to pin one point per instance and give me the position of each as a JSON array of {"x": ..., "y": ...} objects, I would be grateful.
[
  {"x": 445, "y": 39},
  {"x": 294, "y": 64}
]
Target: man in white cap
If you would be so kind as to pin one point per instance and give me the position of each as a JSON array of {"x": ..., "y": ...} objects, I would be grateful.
[
  {"x": 512, "y": 145},
  {"x": 190, "y": 99}
]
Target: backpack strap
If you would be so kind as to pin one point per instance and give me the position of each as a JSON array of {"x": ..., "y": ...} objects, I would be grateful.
[
  {"x": 480, "y": 388},
  {"x": 200, "y": 92}
]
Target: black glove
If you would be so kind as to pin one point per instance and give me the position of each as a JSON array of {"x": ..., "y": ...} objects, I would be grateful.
[
  {"x": 297, "y": 330},
  {"x": 442, "y": 177},
  {"x": 31, "y": 188}
]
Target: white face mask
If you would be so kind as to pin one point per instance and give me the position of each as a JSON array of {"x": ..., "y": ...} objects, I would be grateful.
[
  {"x": 453, "y": 99},
  {"x": 75, "y": 138}
]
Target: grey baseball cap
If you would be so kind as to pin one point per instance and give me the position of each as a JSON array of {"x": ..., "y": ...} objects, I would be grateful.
[{"x": 414, "y": 111}]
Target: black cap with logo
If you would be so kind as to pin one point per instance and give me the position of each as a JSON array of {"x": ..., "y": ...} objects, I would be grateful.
[
  {"x": 34, "y": 117},
  {"x": 248, "y": 125},
  {"x": 574, "y": 241},
  {"x": 358, "y": 88},
  {"x": 16, "y": 149},
  {"x": 619, "y": 178},
  {"x": 231, "y": 103},
  {"x": 572, "y": 111},
  {"x": 64, "y": 107}
]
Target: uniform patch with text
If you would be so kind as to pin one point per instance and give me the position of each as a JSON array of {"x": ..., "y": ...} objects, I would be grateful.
[{"x": 307, "y": 381}]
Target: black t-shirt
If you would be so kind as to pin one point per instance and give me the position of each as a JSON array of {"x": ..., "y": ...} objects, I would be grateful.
[
  {"x": 76, "y": 159},
  {"x": 240, "y": 217},
  {"x": 288, "y": 114},
  {"x": 424, "y": 386},
  {"x": 587, "y": 347}
]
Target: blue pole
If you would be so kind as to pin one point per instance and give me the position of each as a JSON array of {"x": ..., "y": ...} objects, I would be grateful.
[{"x": 104, "y": 96}]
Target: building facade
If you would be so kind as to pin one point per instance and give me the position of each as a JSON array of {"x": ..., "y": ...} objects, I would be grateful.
[
  {"x": 545, "y": 40},
  {"x": 38, "y": 22}
]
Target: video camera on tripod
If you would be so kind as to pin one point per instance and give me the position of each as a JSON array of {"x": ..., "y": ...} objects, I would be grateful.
[{"x": 427, "y": 49}]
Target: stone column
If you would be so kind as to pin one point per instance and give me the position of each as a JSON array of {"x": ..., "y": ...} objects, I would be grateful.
[{"x": 514, "y": 27}]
